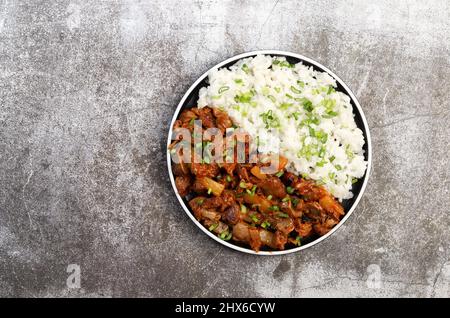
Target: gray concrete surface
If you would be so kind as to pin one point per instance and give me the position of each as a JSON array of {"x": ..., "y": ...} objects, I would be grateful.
[{"x": 88, "y": 88}]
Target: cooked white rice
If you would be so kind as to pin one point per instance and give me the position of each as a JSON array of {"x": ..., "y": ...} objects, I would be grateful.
[{"x": 295, "y": 111}]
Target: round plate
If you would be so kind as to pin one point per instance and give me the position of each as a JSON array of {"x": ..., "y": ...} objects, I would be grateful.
[{"x": 190, "y": 100}]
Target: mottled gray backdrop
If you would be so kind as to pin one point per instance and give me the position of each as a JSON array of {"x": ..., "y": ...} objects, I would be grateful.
[{"x": 87, "y": 92}]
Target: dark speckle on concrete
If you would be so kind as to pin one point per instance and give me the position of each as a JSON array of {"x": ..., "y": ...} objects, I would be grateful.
[{"x": 87, "y": 92}]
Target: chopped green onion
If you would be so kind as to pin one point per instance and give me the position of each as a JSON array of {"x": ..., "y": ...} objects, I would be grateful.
[
  {"x": 298, "y": 240},
  {"x": 245, "y": 68},
  {"x": 321, "y": 163},
  {"x": 223, "y": 89},
  {"x": 209, "y": 190},
  {"x": 330, "y": 90},
  {"x": 213, "y": 227},
  {"x": 244, "y": 97},
  {"x": 253, "y": 189},
  {"x": 330, "y": 114},
  {"x": 290, "y": 190},
  {"x": 283, "y": 215},
  {"x": 270, "y": 119},
  {"x": 242, "y": 185},
  {"x": 238, "y": 81},
  {"x": 295, "y": 90},
  {"x": 279, "y": 174},
  {"x": 354, "y": 180},
  {"x": 243, "y": 208},
  {"x": 254, "y": 218},
  {"x": 295, "y": 202},
  {"x": 265, "y": 224},
  {"x": 285, "y": 105},
  {"x": 200, "y": 201},
  {"x": 322, "y": 152},
  {"x": 338, "y": 167},
  {"x": 307, "y": 105},
  {"x": 273, "y": 99},
  {"x": 301, "y": 84},
  {"x": 349, "y": 152},
  {"x": 332, "y": 158},
  {"x": 274, "y": 208},
  {"x": 312, "y": 132},
  {"x": 286, "y": 199},
  {"x": 228, "y": 237},
  {"x": 277, "y": 89},
  {"x": 289, "y": 96},
  {"x": 216, "y": 97},
  {"x": 225, "y": 235},
  {"x": 269, "y": 197}
]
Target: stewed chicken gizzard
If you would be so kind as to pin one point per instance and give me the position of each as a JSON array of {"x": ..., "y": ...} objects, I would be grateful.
[{"x": 239, "y": 202}]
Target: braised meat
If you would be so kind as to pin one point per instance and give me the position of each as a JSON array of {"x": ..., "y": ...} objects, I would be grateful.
[{"x": 241, "y": 203}]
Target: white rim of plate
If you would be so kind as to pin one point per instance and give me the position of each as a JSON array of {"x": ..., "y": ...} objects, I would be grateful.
[{"x": 368, "y": 141}]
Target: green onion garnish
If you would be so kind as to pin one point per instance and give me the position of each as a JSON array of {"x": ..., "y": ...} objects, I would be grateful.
[
  {"x": 213, "y": 226},
  {"x": 307, "y": 105},
  {"x": 254, "y": 218},
  {"x": 295, "y": 90},
  {"x": 243, "y": 208},
  {"x": 238, "y": 81},
  {"x": 321, "y": 163},
  {"x": 245, "y": 68},
  {"x": 285, "y": 105},
  {"x": 279, "y": 174},
  {"x": 209, "y": 190},
  {"x": 273, "y": 99},
  {"x": 243, "y": 98},
  {"x": 322, "y": 152},
  {"x": 354, "y": 180},
  {"x": 265, "y": 224},
  {"x": 242, "y": 185},
  {"x": 338, "y": 167},
  {"x": 274, "y": 208},
  {"x": 332, "y": 158},
  {"x": 330, "y": 90},
  {"x": 269, "y": 197},
  {"x": 200, "y": 201},
  {"x": 223, "y": 89},
  {"x": 290, "y": 190},
  {"x": 286, "y": 199},
  {"x": 229, "y": 178},
  {"x": 283, "y": 215}
]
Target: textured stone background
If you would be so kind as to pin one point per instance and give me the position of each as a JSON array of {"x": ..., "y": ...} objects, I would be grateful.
[{"x": 87, "y": 91}]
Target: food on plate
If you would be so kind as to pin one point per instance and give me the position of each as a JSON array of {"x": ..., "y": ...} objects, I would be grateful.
[
  {"x": 239, "y": 202},
  {"x": 298, "y": 112},
  {"x": 269, "y": 153}
]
